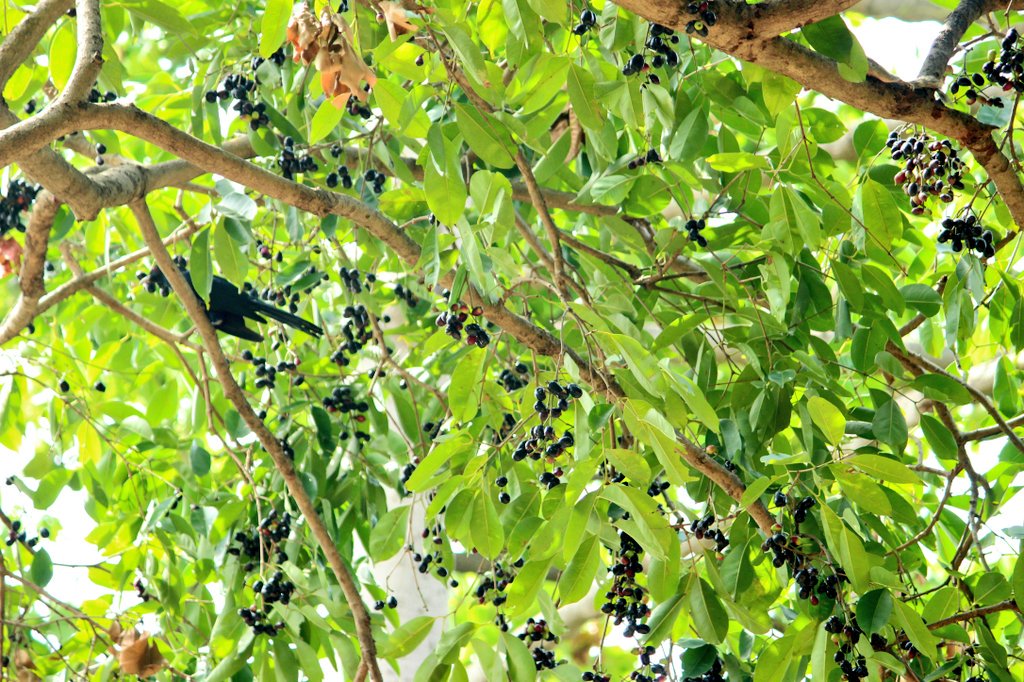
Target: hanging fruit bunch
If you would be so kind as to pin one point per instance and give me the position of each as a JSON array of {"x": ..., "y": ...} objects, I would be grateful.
[{"x": 327, "y": 43}]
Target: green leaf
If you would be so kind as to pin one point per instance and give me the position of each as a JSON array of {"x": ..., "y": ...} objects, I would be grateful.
[
  {"x": 273, "y": 26},
  {"x": 201, "y": 265},
  {"x": 42, "y": 568},
  {"x": 580, "y": 84},
  {"x": 828, "y": 418},
  {"x": 922, "y": 298},
  {"x": 62, "y": 54},
  {"x": 580, "y": 573},
  {"x": 486, "y": 530},
  {"x": 939, "y": 437},
  {"x": 1017, "y": 582},
  {"x": 233, "y": 263},
  {"x": 438, "y": 457},
  {"x": 446, "y": 194},
  {"x": 521, "y": 667},
  {"x": 709, "y": 616},
  {"x": 486, "y": 136},
  {"x": 833, "y": 39},
  {"x": 407, "y": 637},
  {"x": 464, "y": 390},
  {"x": 874, "y": 610},
  {"x": 388, "y": 535},
  {"x": 889, "y": 425},
  {"x": 878, "y": 219},
  {"x": 199, "y": 458},
  {"x": 912, "y": 623},
  {"x": 734, "y": 162},
  {"x": 884, "y": 468},
  {"x": 689, "y": 136},
  {"x": 325, "y": 121},
  {"x": 631, "y": 464}
]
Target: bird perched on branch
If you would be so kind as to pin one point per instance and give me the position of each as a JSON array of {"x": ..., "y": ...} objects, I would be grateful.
[{"x": 228, "y": 308}]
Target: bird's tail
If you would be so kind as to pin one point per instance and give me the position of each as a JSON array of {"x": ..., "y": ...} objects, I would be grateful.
[{"x": 285, "y": 317}]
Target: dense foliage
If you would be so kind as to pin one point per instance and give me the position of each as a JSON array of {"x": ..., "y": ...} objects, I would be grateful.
[{"x": 610, "y": 318}]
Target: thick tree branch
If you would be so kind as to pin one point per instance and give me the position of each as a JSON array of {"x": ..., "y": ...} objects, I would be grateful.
[
  {"x": 131, "y": 119},
  {"x": 23, "y": 38},
  {"x": 268, "y": 440},
  {"x": 779, "y": 16},
  {"x": 959, "y": 20},
  {"x": 737, "y": 34}
]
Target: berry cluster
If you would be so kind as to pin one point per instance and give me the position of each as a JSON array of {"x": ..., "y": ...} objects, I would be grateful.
[
  {"x": 380, "y": 604},
  {"x": 594, "y": 676},
  {"x": 350, "y": 278},
  {"x": 852, "y": 670},
  {"x": 702, "y": 528},
  {"x": 534, "y": 448},
  {"x": 587, "y": 21},
  {"x": 267, "y": 373},
  {"x": 355, "y": 108},
  {"x": 454, "y": 323},
  {"x": 627, "y": 598},
  {"x": 267, "y": 536},
  {"x": 375, "y": 179},
  {"x": 706, "y": 17},
  {"x": 651, "y": 156},
  {"x": 560, "y": 397},
  {"x": 272, "y": 530},
  {"x": 18, "y": 534},
  {"x": 693, "y": 231},
  {"x": 924, "y": 165},
  {"x": 508, "y": 424},
  {"x": 95, "y": 96},
  {"x": 1008, "y": 71},
  {"x": 802, "y": 507},
  {"x": 343, "y": 399},
  {"x": 503, "y": 496},
  {"x": 513, "y": 381},
  {"x": 715, "y": 674},
  {"x": 493, "y": 585},
  {"x": 436, "y": 535},
  {"x": 341, "y": 176},
  {"x": 967, "y": 231},
  {"x": 407, "y": 296},
  {"x": 971, "y": 95},
  {"x": 18, "y": 199},
  {"x": 240, "y": 88},
  {"x": 277, "y": 589},
  {"x": 649, "y": 671},
  {"x": 535, "y": 634},
  {"x": 357, "y": 332},
  {"x": 292, "y": 163},
  {"x": 659, "y": 39}
]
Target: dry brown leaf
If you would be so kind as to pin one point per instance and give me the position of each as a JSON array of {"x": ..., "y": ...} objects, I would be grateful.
[
  {"x": 10, "y": 256},
  {"x": 303, "y": 31},
  {"x": 396, "y": 17},
  {"x": 342, "y": 71},
  {"x": 24, "y": 667},
  {"x": 137, "y": 656}
]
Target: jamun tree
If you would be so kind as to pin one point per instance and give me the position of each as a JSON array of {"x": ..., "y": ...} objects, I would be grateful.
[{"x": 509, "y": 339}]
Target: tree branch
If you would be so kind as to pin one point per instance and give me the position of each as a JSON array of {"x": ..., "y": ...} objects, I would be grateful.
[
  {"x": 933, "y": 69},
  {"x": 270, "y": 443},
  {"x": 737, "y": 34},
  {"x": 780, "y": 16},
  {"x": 132, "y": 120},
  {"x": 1007, "y": 605}
]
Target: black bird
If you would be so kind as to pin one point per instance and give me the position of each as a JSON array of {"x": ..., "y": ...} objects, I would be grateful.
[{"x": 229, "y": 309}]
